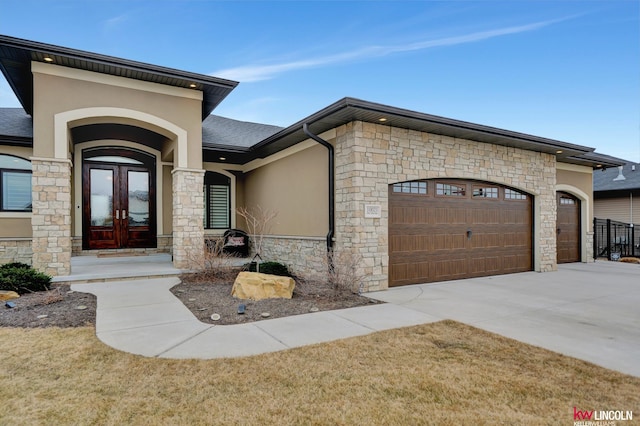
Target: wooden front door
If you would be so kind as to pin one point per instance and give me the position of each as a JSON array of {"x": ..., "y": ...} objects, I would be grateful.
[
  {"x": 568, "y": 228},
  {"x": 452, "y": 229},
  {"x": 118, "y": 205}
]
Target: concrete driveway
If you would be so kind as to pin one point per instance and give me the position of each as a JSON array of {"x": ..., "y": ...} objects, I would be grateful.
[{"x": 588, "y": 311}]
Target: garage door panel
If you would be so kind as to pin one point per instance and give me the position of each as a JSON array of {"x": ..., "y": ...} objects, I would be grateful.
[
  {"x": 486, "y": 240},
  {"x": 429, "y": 239}
]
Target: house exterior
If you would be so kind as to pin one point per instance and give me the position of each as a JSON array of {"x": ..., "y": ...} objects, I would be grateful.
[
  {"x": 616, "y": 194},
  {"x": 109, "y": 154}
]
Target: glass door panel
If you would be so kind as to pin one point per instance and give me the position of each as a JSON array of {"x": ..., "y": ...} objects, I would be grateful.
[
  {"x": 138, "y": 193},
  {"x": 101, "y": 201}
]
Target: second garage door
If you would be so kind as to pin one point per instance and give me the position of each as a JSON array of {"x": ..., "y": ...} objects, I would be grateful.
[
  {"x": 451, "y": 229},
  {"x": 568, "y": 228}
]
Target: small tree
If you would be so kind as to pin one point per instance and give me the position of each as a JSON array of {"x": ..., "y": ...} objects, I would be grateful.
[{"x": 259, "y": 222}]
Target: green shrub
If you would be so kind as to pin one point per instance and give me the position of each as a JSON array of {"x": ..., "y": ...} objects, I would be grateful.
[
  {"x": 22, "y": 278},
  {"x": 272, "y": 268},
  {"x": 16, "y": 265}
]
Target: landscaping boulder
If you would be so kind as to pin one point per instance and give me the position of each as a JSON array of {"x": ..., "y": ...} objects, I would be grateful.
[
  {"x": 257, "y": 286},
  {"x": 8, "y": 295}
]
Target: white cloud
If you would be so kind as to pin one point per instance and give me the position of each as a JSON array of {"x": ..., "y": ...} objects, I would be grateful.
[
  {"x": 113, "y": 23},
  {"x": 251, "y": 73}
]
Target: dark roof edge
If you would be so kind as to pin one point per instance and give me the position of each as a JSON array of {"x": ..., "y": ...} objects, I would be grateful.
[
  {"x": 16, "y": 140},
  {"x": 385, "y": 109},
  {"x": 112, "y": 60},
  {"x": 603, "y": 160},
  {"x": 336, "y": 106}
]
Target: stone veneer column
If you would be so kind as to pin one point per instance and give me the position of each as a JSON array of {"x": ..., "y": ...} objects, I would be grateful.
[
  {"x": 188, "y": 216},
  {"x": 51, "y": 215}
]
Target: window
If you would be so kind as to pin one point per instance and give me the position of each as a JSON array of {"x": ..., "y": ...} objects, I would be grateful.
[
  {"x": 512, "y": 194},
  {"x": 564, "y": 200},
  {"x": 217, "y": 201},
  {"x": 450, "y": 190},
  {"x": 15, "y": 184},
  {"x": 416, "y": 187},
  {"x": 485, "y": 192}
]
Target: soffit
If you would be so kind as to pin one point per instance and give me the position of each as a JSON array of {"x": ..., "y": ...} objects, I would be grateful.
[{"x": 16, "y": 56}]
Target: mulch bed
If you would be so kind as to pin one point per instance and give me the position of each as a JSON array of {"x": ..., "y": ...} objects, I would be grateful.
[
  {"x": 61, "y": 307},
  {"x": 205, "y": 297},
  {"x": 58, "y": 307}
]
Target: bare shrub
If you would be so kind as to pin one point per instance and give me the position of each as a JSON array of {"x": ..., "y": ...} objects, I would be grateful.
[
  {"x": 52, "y": 296},
  {"x": 343, "y": 270},
  {"x": 259, "y": 222},
  {"x": 215, "y": 264}
]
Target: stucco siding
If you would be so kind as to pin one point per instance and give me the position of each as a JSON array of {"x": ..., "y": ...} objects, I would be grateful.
[
  {"x": 58, "y": 94},
  {"x": 296, "y": 187},
  {"x": 167, "y": 203}
]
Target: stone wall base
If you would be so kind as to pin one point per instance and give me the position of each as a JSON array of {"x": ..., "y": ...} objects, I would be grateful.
[
  {"x": 305, "y": 256},
  {"x": 16, "y": 250}
]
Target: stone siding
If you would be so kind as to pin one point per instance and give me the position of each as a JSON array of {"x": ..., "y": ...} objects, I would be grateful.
[
  {"x": 370, "y": 157},
  {"x": 305, "y": 256},
  {"x": 188, "y": 216},
  {"x": 51, "y": 216},
  {"x": 589, "y": 245},
  {"x": 15, "y": 250}
]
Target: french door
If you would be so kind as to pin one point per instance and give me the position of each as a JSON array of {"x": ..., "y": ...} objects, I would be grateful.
[{"x": 118, "y": 205}]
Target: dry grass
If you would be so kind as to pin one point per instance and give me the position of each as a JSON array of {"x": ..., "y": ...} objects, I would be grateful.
[{"x": 443, "y": 373}]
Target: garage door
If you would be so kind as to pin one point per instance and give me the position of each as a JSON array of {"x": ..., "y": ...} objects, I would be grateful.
[
  {"x": 451, "y": 229},
  {"x": 568, "y": 228}
]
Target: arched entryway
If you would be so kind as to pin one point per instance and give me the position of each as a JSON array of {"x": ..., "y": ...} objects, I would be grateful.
[
  {"x": 118, "y": 199},
  {"x": 568, "y": 228},
  {"x": 445, "y": 229}
]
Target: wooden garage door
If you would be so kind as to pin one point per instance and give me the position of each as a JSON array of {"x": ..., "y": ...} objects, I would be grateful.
[
  {"x": 568, "y": 228},
  {"x": 451, "y": 229}
]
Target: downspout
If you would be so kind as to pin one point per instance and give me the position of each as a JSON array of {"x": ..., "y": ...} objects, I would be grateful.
[{"x": 332, "y": 214}]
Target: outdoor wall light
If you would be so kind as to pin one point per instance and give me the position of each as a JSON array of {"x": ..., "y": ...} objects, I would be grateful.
[{"x": 48, "y": 59}]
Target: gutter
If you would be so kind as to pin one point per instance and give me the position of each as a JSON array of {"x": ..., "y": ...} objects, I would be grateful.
[{"x": 332, "y": 213}]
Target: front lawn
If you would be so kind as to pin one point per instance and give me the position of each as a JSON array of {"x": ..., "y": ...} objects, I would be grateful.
[{"x": 442, "y": 373}]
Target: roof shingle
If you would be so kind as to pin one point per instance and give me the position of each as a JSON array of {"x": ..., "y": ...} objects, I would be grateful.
[{"x": 604, "y": 180}]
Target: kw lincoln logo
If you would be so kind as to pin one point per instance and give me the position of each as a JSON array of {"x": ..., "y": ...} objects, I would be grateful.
[{"x": 600, "y": 417}]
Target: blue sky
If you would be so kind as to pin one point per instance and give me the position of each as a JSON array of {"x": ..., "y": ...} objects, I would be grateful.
[{"x": 566, "y": 70}]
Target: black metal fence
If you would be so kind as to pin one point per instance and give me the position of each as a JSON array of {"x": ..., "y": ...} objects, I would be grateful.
[{"x": 613, "y": 240}]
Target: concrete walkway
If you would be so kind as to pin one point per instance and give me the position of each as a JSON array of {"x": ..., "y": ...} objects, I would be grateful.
[
  {"x": 588, "y": 311},
  {"x": 143, "y": 317}
]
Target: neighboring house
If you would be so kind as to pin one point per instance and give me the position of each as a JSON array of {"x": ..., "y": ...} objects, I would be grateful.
[
  {"x": 111, "y": 154},
  {"x": 616, "y": 194}
]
